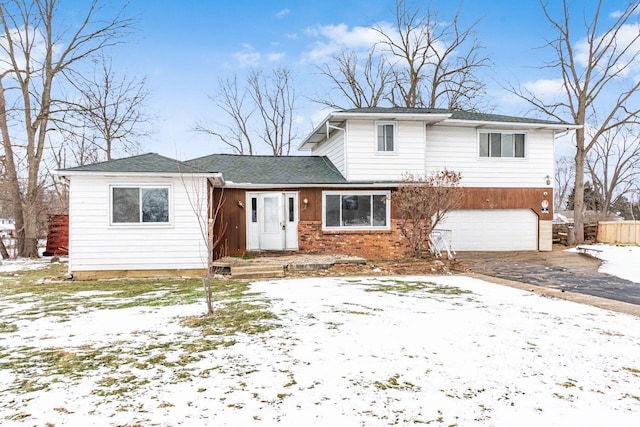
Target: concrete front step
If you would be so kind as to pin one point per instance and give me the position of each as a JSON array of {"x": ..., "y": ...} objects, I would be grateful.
[{"x": 257, "y": 271}]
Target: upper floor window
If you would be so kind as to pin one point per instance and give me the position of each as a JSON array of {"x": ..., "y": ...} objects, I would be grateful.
[
  {"x": 502, "y": 144},
  {"x": 136, "y": 205},
  {"x": 386, "y": 137}
]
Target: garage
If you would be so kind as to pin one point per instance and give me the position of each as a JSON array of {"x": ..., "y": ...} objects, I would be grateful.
[{"x": 492, "y": 229}]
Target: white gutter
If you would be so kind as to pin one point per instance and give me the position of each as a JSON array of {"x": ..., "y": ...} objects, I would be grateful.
[
  {"x": 215, "y": 175},
  {"x": 425, "y": 117},
  {"x": 248, "y": 186}
]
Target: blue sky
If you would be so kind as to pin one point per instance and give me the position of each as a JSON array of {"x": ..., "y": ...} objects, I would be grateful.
[{"x": 184, "y": 47}]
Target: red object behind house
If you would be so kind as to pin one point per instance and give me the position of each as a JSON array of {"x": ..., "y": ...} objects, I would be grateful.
[{"x": 58, "y": 236}]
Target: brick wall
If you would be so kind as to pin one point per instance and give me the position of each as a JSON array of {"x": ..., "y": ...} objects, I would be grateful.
[{"x": 388, "y": 244}]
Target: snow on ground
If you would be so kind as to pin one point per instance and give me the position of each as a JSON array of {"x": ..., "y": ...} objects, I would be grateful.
[
  {"x": 621, "y": 261},
  {"x": 21, "y": 264},
  {"x": 350, "y": 352}
]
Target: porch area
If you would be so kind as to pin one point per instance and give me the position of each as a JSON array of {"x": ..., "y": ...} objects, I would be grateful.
[{"x": 268, "y": 266}]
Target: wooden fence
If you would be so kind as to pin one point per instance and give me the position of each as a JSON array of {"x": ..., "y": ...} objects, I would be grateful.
[{"x": 619, "y": 232}]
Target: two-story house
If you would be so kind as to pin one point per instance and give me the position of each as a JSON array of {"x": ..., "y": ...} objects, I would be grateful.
[{"x": 138, "y": 214}]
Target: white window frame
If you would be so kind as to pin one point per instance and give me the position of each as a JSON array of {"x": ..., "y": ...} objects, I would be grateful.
[
  {"x": 502, "y": 132},
  {"x": 395, "y": 138},
  {"x": 371, "y": 193},
  {"x": 140, "y": 223}
]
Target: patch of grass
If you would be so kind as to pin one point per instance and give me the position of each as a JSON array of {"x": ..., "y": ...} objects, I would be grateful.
[
  {"x": 394, "y": 383},
  {"x": 634, "y": 371},
  {"x": 631, "y": 396},
  {"x": 237, "y": 311},
  {"x": 569, "y": 383},
  {"x": 401, "y": 287},
  {"x": 53, "y": 270},
  {"x": 6, "y": 327}
]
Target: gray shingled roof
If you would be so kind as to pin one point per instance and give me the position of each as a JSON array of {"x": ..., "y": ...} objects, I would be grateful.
[
  {"x": 150, "y": 162},
  {"x": 271, "y": 169},
  {"x": 455, "y": 114}
]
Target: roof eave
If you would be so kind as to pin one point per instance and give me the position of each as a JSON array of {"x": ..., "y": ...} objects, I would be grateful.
[
  {"x": 518, "y": 125},
  {"x": 68, "y": 173},
  {"x": 230, "y": 184}
]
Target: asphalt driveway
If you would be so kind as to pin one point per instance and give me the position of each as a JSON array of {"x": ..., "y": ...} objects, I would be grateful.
[{"x": 559, "y": 269}]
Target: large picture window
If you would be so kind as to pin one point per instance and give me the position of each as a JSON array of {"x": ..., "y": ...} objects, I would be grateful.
[
  {"x": 386, "y": 137},
  {"x": 502, "y": 144},
  {"x": 356, "y": 210},
  {"x": 135, "y": 205}
]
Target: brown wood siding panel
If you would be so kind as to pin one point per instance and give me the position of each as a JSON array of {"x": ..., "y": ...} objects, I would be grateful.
[
  {"x": 509, "y": 198},
  {"x": 235, "y": 238},
  {"x": 313, "y": 210}
]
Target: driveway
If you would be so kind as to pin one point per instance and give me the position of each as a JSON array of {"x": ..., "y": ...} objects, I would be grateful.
[{"x": 559, "y": 269}]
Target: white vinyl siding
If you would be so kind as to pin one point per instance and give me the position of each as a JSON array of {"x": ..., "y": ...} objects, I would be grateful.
[
  {"x": 456, "y": 148},
  {"x": 96, "y": 245},
  {"x": 366, "y": 163},
  {"x": 334, "y": 150}
]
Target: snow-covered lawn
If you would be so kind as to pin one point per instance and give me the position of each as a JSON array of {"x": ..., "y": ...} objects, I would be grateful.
[
  {"x": 341, "y": 352},
  {"x": 621, "y": 261}
]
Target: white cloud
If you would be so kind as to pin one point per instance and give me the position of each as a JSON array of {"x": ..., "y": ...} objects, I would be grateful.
[
  {"x": 275, "y": 56},
  {"x": 545, "y": 89},
  {"x": 247, "y": 57},
  {"x": 548, "y": 90},
  {"x": 615, "y": 14},
  {"x": 334, "y": 38},
  {"x": 284, "y": 12},
  {"x": 628, "y": 66},
  {"x": 291, "y": 36}
]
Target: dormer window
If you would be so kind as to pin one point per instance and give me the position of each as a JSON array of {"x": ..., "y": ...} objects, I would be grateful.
[{"x": 386, "y": 137}]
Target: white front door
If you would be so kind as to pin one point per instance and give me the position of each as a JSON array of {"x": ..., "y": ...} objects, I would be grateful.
[{"x": 272, "y": 221}]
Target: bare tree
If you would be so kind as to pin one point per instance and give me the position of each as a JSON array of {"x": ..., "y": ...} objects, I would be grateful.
[
  {"x": 612, "y": 164},
  {"x": 232, "y": 102},
  {"x": 596, "y": 75},
  {"x": 422, "y": 202},
  {"x": 275, "y": 99},
  {"x": 359, "y": 84},
  {"x": 206, "y": 204},
  {"x": 37, "y": 54},
  {"x": 113, "y": 108},
  {"x": 564, "y": 178},
  {"x": 259, "y": 114},
  {"x": 437, "y": 62}
]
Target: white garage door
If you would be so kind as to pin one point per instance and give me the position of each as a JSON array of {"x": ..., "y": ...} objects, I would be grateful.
[{"x": 492, "y": 229}]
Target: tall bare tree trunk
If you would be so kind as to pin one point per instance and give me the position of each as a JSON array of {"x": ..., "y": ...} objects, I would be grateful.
[
  {"x": 12, "y": 173},
  {"x": 578, "y": 198},
  {"x": 3, "y": 250}
]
